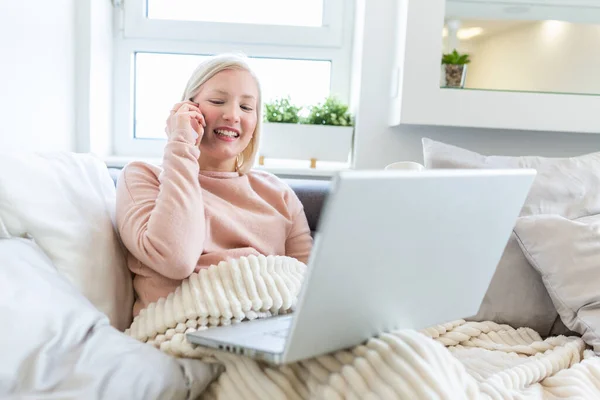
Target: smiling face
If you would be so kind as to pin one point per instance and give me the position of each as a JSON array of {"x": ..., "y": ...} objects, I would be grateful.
[{"x": 228, "y": 102}]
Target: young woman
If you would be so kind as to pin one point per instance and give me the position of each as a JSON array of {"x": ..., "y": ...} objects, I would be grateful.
[{"x": 205, "y": 204}]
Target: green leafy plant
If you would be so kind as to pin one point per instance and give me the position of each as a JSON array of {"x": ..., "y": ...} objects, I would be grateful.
[
  {"x": 455, "y": 58},
  {"x": 282, "y": 110},
  {"x": 330, "y": 112}
]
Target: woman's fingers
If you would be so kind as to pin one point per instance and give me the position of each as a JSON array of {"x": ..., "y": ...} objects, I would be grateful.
[
  {"x": 198, "y": 116},
  {"x": 185, "y": 105},
  {"x": 195, "y": 115},
  {"x": 186, "y": 116},
  {"x": 187, "y": 108},
  {"x": 197, "y": 122}
]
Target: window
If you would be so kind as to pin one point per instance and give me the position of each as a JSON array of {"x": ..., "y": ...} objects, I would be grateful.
[
  {"x": 267, "y": 12},
  {"x": 298, "y": 49}
]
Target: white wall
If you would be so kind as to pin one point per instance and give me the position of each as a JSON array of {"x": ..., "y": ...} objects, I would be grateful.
[
  {"x": 379, "y": 145},
  {"x": 547, "y": 56},
  {"x": 94, "y": 50},
  {"x": 36, "y": 75}
]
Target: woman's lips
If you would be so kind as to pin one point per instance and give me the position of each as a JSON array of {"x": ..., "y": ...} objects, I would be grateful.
[
  {"x": 226, "y": 135},
  {"x": 226, "y": 138}
]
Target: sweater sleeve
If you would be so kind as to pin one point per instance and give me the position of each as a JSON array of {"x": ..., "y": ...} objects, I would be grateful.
[
  {"x": 299, "y": 241},
  {"x": 161, "y": 218}
]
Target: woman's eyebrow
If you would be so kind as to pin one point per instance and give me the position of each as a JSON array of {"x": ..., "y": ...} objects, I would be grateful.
[{"x": 225, "y": 93}]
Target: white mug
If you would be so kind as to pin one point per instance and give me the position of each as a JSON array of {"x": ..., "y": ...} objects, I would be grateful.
[{"x": 407, "y": 165}]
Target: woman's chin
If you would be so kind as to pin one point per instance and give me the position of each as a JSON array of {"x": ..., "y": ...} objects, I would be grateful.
[{"x": 218, "y": 154}]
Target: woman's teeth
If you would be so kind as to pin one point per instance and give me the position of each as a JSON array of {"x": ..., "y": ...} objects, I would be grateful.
[{"x": 226, "y": 133}]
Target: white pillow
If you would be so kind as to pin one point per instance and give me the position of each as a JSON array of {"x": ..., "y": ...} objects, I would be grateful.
[
  {"x": 564, "y": 186},
  {"x": 65, "y": 202},
  {"x": 56, "y": 345},
  {"x": 567, "y": 255}
]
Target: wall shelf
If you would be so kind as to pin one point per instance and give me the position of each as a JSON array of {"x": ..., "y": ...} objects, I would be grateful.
[{"x": 418, "y": 99}]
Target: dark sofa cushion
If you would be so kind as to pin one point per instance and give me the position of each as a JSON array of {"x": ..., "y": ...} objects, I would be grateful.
[{"x": 312, "y": 194}]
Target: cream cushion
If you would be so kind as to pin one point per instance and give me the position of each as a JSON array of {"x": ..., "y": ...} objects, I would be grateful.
[
  {"x": 65, "y": 202},
  {"x": 564, "y": 186},
  {"x": 567, "y": 255}
]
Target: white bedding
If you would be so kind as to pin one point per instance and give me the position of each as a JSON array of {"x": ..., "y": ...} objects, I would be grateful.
[
  {"x": 55, "y": 345},
  {"x": 457, "y": 360}
]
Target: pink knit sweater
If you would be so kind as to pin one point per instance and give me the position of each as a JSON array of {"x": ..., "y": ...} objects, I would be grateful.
[{"x": 176, "y": 219}]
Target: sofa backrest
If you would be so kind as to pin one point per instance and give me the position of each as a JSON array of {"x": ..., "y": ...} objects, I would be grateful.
[{"x": 311, "y": 192}]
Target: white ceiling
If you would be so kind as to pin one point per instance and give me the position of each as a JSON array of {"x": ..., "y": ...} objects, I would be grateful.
[
  {"x": 578, "y": 11},
  {"x": 492, "y": 27},
  {"x": 567, "y": 3}
]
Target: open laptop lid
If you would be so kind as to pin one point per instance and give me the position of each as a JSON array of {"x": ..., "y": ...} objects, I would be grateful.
[{"x": 403, "y": 250}]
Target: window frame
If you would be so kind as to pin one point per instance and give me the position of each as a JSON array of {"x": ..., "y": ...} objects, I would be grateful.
[
  {"x": 328, "y": 35},
  {"x": 138, "y": 34}
]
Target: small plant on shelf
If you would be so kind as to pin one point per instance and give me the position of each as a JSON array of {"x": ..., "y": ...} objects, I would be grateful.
[
  {"x": 455, "y": 58},
  {"x": 323, "y": 131},
  {"x": 455, "y": 65},
  {"x": 331, "y": 112},
  {"x": 282, "y": 110}
]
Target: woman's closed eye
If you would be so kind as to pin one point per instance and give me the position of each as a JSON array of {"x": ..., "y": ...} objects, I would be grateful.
[{"x": 218, "y": 102}]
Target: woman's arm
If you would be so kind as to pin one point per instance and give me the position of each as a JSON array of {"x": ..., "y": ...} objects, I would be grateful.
[
  {"x": 161, "y": 218},
  {"x": 299, "y": 241}
]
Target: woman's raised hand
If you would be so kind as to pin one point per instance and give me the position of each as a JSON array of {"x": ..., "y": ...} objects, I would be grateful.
[{"x": 185, "y": 117}]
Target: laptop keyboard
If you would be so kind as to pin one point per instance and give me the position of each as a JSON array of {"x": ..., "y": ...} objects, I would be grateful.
[{"x": 281, "y": 333}]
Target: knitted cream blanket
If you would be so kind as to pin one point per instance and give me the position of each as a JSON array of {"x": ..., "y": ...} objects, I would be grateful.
[{"x": 457, "y": 360}]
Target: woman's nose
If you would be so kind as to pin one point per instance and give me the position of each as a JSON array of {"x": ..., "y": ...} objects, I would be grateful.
[{"x": 231, "y": 114}]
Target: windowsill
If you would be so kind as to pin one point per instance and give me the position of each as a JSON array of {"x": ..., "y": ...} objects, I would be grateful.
[{"x": 277, "y": 167}]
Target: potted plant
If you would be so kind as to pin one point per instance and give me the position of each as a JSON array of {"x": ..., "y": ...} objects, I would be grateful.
[
  {"x": 332, "y": 112},
  {"x": 282, "y": 111},
  {"x": 455, "y": 68},
  {"x": 324, "y": 134}
]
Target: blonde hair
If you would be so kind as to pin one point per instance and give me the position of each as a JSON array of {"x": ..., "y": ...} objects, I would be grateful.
[{"x": 209, "y": 68}]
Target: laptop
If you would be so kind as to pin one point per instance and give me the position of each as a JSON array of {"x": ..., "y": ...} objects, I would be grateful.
[{"x": 394, "y": 250}]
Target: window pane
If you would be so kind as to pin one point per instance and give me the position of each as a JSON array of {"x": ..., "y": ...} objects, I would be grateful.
[
  {"x": 269, "y": 12},
  {"x": 161, "y": 78}
]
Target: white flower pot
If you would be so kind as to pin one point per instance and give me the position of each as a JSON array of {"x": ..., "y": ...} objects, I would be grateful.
[{"x": 306, "y": 142}]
